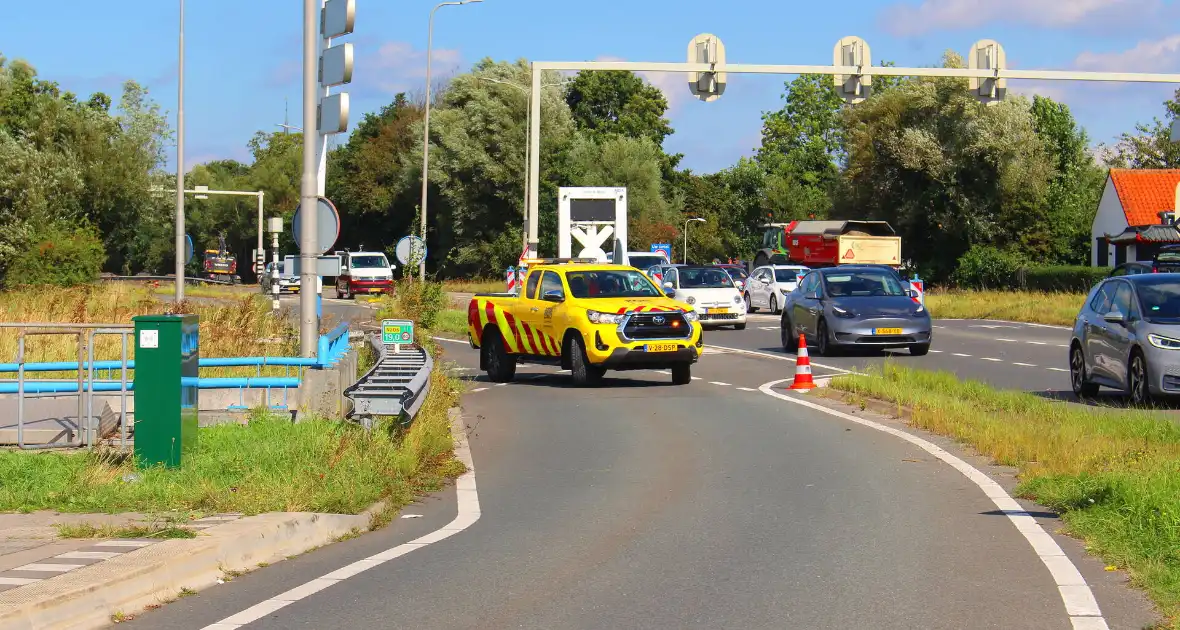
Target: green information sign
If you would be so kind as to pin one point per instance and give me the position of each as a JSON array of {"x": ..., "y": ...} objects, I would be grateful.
[{"x": 397, "y": 332}]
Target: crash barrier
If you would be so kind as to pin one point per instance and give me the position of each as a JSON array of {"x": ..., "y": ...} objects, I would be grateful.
[
  {"x": 96, "y": 416},
  {"x": 188, "y": 279},
  {"x": 396, "y": 385},
  {"x": 918, "y": 286}
]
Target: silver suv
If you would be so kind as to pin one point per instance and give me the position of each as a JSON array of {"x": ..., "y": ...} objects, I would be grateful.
[{"x": 1127, "y": 337}]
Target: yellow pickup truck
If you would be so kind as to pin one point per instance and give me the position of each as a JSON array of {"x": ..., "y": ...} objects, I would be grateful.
[{"x": 587, "y": 318}]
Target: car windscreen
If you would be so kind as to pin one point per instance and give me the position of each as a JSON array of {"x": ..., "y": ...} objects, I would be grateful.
[
  {"x": 705, "y": 278},
  {"x": 645, "y": 262},
  {"x": 610, "y": 284},
  {"x": 868, "y": 283},
  {"x": 1159, "y": 297},
  {"x": 368, "y": 262},
  {"x": 737, "y": 273},
  {"x": 788, "y": 275}
]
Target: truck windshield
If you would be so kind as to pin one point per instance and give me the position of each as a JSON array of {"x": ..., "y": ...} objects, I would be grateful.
[
  {"x": 862, "y": 284},
  {"x": 705, "y": 278},
  {"x": 368, "y": 262},
  {"x": 610, "y": 284}
]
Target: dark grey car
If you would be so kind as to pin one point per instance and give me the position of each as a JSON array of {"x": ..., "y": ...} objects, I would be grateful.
[
  {"x": 1127, "y": 337},
  {"x": 854, "y": 306}
]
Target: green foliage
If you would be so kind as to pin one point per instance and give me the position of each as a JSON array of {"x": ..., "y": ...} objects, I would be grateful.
[
  {"x": 1150, "y": 145},
  {"x": 59, "y": 256},
  {"x": 985, "y": 267},
  {"x": 618, "y": 103},
  {"x": 421, "y": 302},
  {"x": 1061, "y": 278}
]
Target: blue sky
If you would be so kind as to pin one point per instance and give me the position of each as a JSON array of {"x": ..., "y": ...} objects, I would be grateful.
[{"x": 243, "y": 57}]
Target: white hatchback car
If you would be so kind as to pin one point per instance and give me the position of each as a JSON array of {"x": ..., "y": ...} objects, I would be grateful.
[
  {"x": 710, "y": 291},
  {"x": 768, "y": 286}
]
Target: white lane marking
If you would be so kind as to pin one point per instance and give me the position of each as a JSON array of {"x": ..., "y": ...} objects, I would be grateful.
[
  {"x": 88, "y": 555},
  {"x": 449, "y": 340},
  {"x": 720, "y": 383},
  {"x": 501, "y": 384},
  {"x": 1023, "y": 364},
  {"x": 786, "y": 357},
  {"x": 10, "y": 581},
  {"x": 746, "y": 389},
  {"x": 1004, "y": 321},
  {"x": 989, "y": 359},
  {"x": 960, "y": 354},
  {"x": 467, "y": 498},
  {"x": 1075, "y": 594},
  {"x": 1039, "y": 343},
  {"x": 48, "y": 567},
  {"x": 936, "y": 351},
  {"x": 479, "y": 389},
  {"x": 768, "y": 328},
  {"x": 696, "y": 378},
  {"x": 1062, "y": 345},
  {"x": 1008, "y": 340},
  {"x": 1059, "y": 369}
]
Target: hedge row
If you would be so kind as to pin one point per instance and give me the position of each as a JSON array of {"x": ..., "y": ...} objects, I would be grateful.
[{"x": 985, "y": 267}]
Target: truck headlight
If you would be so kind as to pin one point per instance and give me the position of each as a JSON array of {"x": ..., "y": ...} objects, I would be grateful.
[
  {"x": 1167, "y": 343},
  {"x": 598, "y": 317},
  {"x": 691, "y": 316}
]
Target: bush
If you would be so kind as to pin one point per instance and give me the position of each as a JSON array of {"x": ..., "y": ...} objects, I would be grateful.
[
  {"x": 1060, "y": 278},
  {"x": 986, "y": 267},
  {"x": 420, "y": 301},
  {"x": 60, "y": 256}
]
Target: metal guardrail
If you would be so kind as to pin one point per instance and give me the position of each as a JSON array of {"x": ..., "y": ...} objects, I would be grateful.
[
  {"x": 396, "y": 385},
  {"x": 187, "y": 279}
]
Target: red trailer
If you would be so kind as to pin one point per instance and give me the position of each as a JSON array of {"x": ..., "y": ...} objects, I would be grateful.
[{"x": 829, "y": 243}]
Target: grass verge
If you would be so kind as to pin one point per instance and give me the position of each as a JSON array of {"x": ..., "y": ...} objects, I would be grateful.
[
  {"x": 1059, "y": 309},
  {"x": 89, "y": 530},
  {"x": 268, "y": 465},
  {"x": 1114, "y": 475},
  {"x": 488, "y": 285}
]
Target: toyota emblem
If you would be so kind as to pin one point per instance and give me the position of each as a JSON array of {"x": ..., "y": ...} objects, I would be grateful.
[{"x": 659, "y": 320}]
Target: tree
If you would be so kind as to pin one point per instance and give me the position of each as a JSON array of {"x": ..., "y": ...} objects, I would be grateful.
[
  {"x": 801, "y": 148},
  {"x": 1076, "y": 186},
  {"x": 1150, "y": 146},
  {"x": 617, "y": 102}
]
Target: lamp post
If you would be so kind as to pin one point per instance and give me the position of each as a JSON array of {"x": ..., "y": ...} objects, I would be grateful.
[
  {"x": 692, "y": 220},
  {"x": 426, "y": 125},
  {"x": 179, "y": 243},
  {"x": 203, "y": 192},
  {"x": 528, "y": 126}
]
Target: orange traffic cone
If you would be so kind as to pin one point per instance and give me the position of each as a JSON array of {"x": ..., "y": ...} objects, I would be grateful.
[{"x": 803, "y": 368}]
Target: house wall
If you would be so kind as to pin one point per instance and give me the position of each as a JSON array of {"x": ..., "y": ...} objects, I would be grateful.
[{"x": 1110, "y": 219}]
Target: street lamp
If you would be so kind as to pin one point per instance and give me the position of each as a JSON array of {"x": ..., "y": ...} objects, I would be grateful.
[
  {"x": 528, "y": 126},
  {"x": 692, "y": 220},
  {"x": 179, "y": 243},
  {"x": 426, "y": 125}
]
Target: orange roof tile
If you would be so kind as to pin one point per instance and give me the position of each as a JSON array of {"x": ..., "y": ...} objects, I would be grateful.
[{"x": 1144, "y": 193}]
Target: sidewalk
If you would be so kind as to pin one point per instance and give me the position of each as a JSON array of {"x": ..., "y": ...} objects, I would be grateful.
[
  {"x": 48, "y": 582},
  {"x": 32, "y": 551}
]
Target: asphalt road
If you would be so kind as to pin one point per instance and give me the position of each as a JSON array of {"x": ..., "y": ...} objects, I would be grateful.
[{"x": 712, "y": 505}]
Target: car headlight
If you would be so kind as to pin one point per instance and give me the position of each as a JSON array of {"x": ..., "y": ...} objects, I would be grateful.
[
  {"x": 737, "y": 299},
  {"x": 597, "y": 317},
  {"x": 690, "y": 300},
  {"x": 1167, "y": 343},
  {"x": 691, "y": 316},
  {"x": 840, "y": 312},
  {"x": 784, "y": 290}
]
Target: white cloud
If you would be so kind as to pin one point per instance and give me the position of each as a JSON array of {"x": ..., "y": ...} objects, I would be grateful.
[
  {"x": 398, "y": 66},
  {"x": 1147, "y": 56},
  {"x": 931, "y": 15}
]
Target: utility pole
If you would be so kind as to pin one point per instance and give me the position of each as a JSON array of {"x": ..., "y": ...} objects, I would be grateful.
[
  {"x": 179, "y": 243},
  {"x": 308, "y": 322}
]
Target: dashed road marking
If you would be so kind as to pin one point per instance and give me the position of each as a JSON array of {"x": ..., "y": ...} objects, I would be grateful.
[
  {"x": 720, "y": 383},
  {"x": 960, "y": 354},
  {"x": 990, "y": 359},
  {"x": 1058, "y": 369},
  {"x": 479, "y": 389},
  {"x": 746, "y": 389},
  {"x": 1023, "y": 364},
  {"x": 936, "y": 351}
]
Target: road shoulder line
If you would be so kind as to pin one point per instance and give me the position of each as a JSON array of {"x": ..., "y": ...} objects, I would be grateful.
[
  {"x": 1076, "y": 595},
  {"x": 466, "y": 497}
]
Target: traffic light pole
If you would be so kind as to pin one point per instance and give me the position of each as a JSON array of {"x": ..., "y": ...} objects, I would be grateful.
[{"x": 308, "y": 198}]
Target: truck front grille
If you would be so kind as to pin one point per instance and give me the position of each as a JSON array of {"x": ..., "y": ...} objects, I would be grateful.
[{"x": 658, "y": 325}]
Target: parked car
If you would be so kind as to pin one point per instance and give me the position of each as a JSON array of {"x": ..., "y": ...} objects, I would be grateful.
[
  {"x": 768, "y": 286},
  {"x": 738, "y": 273},
  {"x": 709, "y": 290},
  {"x": 854, "y": 306},
  {"x": 1127, "y": 337}
]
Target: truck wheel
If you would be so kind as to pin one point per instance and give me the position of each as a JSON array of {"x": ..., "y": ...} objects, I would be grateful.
[
  {"x": 761, "y": 260},
  {"x": 584, "y": 372},
  {"x": 682, "y": 374},
  {"x": 501, "y": 367}
]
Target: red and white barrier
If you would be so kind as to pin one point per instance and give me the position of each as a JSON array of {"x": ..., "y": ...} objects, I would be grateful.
[{"x": 510, "y": 279}]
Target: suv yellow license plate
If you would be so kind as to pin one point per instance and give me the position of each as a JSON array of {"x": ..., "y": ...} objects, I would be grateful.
[
  {"x": 661, "y": 347},
  {"x": 717, "y": 311},
  {"x": 886, "y": 331}
]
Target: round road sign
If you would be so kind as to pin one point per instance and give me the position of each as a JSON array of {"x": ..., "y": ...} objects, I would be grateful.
[
  {"x": 327, "y": 225},
  {"x": 409, "y": 247},
  {"x": 188, "y": 249}
]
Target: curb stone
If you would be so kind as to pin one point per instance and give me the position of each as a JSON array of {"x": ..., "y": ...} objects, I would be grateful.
[{"x": 87, "y": 597}]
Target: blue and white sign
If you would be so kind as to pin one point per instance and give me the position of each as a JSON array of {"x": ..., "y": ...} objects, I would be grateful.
[{"x": 666, "y": 248}]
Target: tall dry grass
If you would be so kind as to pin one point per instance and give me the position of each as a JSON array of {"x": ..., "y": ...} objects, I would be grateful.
[
  {"x": 1058, "y": 309},
  {"x": 241, "y": 326}
]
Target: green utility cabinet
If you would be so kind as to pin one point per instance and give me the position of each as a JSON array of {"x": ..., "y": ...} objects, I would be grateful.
[{"x": 166, "y": 357}]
